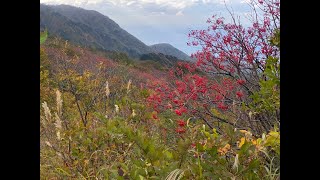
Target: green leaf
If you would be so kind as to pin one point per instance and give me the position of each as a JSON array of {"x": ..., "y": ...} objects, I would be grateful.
[
  {"x": 199, "y": 147},
  {"x": 43, "y": 37},
  {"x": 213, "y": 152},
  {"x": 254, "y": 164},
  {"x": 168, "y": 154},
  {"x": 244, "y": 148}
]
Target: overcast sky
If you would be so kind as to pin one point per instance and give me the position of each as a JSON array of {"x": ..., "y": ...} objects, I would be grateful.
[{"x": 161, "y": 21}]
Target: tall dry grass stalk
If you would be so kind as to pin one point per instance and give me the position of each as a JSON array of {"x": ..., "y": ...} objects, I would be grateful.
[
  {"x": 176, "y": 174},
  {"x": 133, "y": 113},
  {"x": 236, "y": 162},
  {"x": 43, "y": 121},
  {"x": 59, "y": 102},
  {"x": 47, "y": 112},
  {"x": 48, "y": 144},
  {"x": 58, "y": 114},
  {"x": 117, "y": 108},
  {"x": 58, "y": 125},
  {"x": 107, "y": 89},
  {"x": 128, "y": 86}
]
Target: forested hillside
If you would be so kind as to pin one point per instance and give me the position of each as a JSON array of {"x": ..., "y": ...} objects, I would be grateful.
[
  {"x": 89, "y": 28},
  {"x": 168, "y": 49}
]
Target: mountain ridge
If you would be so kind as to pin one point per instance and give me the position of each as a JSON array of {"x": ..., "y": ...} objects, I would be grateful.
[
  {"x": 90, "y": 28},
  {"x": 168, "y": 49}
]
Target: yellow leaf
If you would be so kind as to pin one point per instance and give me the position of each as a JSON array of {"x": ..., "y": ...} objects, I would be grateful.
[
  {"x": 254, "y": 141},
  {"x": 259, "y": 141},
  {"x": 227, "y": 147},
  {"x": 224, "y": 150},
  {"x": 148, "y": 164},
  {"x": 274, "y": 134},
  {"x": 243, "y": 131},
  {"x": 215, "y": 111},
  {"x": 242, "y": 140}
]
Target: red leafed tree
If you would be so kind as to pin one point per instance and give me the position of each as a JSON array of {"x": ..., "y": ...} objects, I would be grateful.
[{"x": 219, "y": 86}]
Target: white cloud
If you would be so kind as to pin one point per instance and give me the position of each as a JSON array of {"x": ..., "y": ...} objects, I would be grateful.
[
  {"x": 131, "y": 2},
  {"x": 73, "y": 2},
  {"x": 180, "y": 13},
  {"x": 170, "y": 4},
  {"x": 245, "y": 1}
]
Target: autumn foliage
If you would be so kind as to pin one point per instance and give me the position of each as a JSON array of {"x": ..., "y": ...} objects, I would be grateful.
[
  {"x": 106, "y": 116},
  {"x": 228, "y": 73}
]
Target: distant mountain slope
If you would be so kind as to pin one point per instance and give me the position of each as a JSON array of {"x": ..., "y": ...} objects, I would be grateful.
[
  {"x": 89, "y": 28},
  {"x": 168, "y": 49},
  {"x": 164, "y": 59}
]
